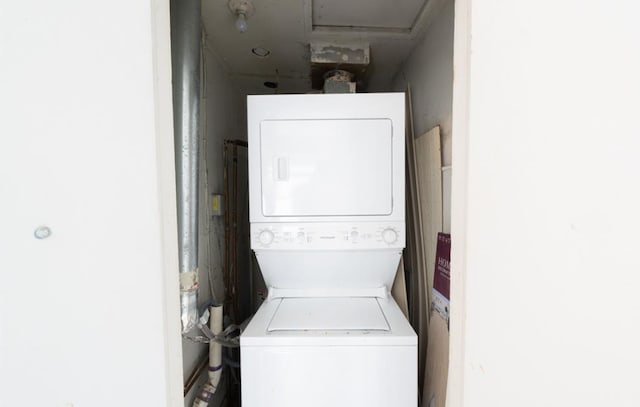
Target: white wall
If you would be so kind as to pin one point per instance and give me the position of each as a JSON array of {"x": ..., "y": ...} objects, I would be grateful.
[
  {"x": 221, "y": 114},
  {"x": 429, "y": 73},
  {"x": 545, "y": 267},
  {"x": 89, "y": 316}
]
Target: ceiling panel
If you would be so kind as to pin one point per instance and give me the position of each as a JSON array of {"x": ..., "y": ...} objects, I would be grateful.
[
  {"x": 276, "y": 25},
  {"x": 398, "y": 14}
]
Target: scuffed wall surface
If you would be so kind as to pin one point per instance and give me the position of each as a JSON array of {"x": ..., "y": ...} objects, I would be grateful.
[
  {"x": 90, "y": 315},
  {"x": 546, "y": 197},
  {"x": 222, "y": 118},
  {"x": 429, "y": 73}
]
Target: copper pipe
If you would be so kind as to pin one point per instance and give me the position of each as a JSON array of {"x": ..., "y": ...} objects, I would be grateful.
[{"x": 231, "y": 225}]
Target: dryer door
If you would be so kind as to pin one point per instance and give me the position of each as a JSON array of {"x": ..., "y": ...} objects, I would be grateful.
[{"x": 326, "y": 167}]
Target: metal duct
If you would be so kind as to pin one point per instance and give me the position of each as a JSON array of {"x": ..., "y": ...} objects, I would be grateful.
[{"x": 185, "y": 56}]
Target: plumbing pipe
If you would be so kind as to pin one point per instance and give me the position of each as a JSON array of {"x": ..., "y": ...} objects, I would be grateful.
[
  {"x": 234, "y": 222},
  {"x": 230, "y": 223},
  {"x": 193, "y": 377},
  {"x": 215, "y": 360},
  {"x": 185, "y": 54},
  {"x": 215, "y": 348},
  {"x": 227, "y": 236}
]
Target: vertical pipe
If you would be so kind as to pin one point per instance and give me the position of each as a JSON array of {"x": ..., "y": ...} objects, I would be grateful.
[
  {"x": 234, "y": 222},
  {"x": 215, "y": 349},
  {"x": 185, "y": 55},
  {"x": 205, "y": 396},
  {"x": 227, "y": 290}
]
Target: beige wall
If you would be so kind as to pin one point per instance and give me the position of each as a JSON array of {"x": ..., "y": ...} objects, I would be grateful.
[
  {"x": 545, "y": 267},
  {"x": 222, "y": 118},
  {"x": 90, "y": 315}
]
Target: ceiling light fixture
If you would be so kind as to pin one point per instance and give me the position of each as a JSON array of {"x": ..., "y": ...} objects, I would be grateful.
[
  {"x": 242, "y": 9},
  {"x": 260, "y": 52}
]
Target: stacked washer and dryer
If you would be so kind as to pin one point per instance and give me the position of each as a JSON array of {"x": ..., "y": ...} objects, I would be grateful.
[{"x": 326, "y": 204}]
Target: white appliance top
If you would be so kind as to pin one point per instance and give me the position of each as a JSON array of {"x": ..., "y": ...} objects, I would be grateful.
[
  {"x": 328, "y": 314},
  {"x": 327, "y": 322}
]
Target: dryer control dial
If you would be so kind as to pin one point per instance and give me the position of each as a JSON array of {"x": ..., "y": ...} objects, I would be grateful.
[
  {"x": 389, "y": 236},
  {"x": 266, "y": 237}
]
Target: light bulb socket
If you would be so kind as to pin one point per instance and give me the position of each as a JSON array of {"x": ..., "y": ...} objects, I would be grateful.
[{"x": 242, "y": 9}]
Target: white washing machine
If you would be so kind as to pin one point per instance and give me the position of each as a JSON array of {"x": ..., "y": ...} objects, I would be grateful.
[{"x": 326, "y": 182}]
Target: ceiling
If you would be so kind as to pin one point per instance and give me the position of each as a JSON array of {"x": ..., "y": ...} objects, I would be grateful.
[{"x": 286, "y": 28}]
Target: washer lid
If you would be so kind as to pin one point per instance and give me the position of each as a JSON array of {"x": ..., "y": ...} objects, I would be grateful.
[{"x": 329, "y": 314}]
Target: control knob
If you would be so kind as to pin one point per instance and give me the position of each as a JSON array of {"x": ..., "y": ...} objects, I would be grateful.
[
  {"x": 265, "y": 237},
  {"x": 389, "y": 236}
]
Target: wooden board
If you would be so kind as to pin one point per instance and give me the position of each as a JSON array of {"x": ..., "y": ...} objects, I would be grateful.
[
  {"x": 413, "y": 262},
  {"x": 429, "y": 177},
  {"x": 446, "y": 199},
  {"x": 418, "y": 309},
  {"x": 434, "y": 391},
  {"x": 429, "y": 188},
  {"x": 399, "y": 289}
]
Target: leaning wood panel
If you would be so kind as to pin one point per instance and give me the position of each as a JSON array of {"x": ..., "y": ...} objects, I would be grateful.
[
  {"x": 418, "y": 309},
  {"x": 434, "y": 392},
  {"x": 429, "y": 177},
  {"x": 399, "y": 289}
]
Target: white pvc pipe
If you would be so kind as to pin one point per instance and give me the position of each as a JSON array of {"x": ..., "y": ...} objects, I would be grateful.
[
  {"x": 215, "y": 349},
  {"x": 215, "y": 360}
]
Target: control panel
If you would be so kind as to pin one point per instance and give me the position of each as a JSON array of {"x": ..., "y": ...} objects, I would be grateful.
[{"x": 327, "y": 236}]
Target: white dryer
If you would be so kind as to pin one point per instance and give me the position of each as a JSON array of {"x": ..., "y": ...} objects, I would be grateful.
[{"x": 326, "y": 194}]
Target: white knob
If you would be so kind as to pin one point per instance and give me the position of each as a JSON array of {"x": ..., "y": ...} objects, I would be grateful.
[
  {"x": 266, "y": 237},
  {"x": 389, "y": 235}
]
